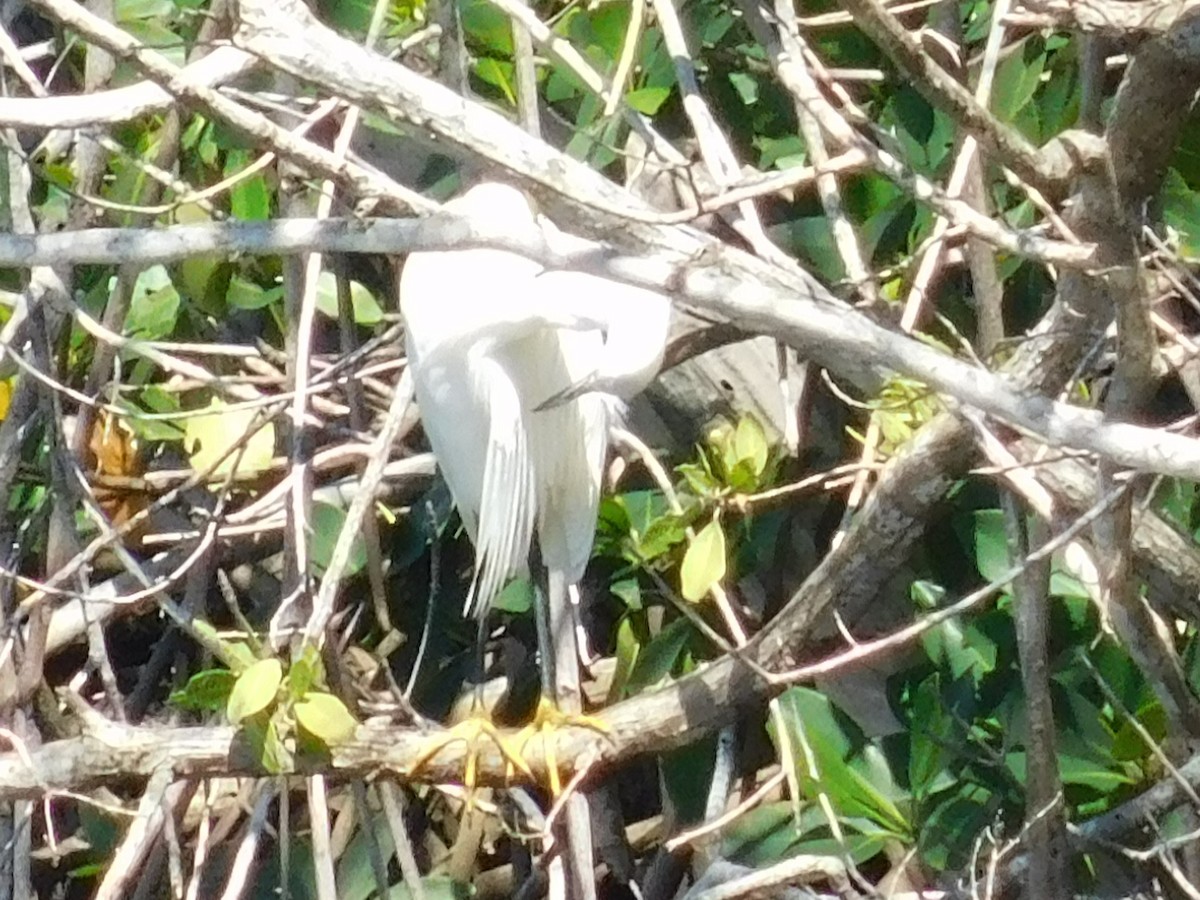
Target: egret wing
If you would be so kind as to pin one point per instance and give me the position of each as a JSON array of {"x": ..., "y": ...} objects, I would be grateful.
[
  {"x": 567, "y": 443},
  {"x": 507, "y": 502}
]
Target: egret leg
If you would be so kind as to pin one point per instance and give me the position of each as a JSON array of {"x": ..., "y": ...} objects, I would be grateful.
[
  {"x": 563, "y": 699},
  {"x": 477, "y": 728}
]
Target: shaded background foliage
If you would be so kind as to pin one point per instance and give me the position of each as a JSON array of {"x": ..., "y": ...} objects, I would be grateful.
[{"x": 914, "y": 793}]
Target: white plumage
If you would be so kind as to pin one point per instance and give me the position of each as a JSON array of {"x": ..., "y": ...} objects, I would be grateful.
[{"x": 491, "y": 338}]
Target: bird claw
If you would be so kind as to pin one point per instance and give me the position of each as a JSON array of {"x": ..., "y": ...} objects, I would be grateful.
[
  {"x": 471, "y": 732},
  {"x": 546, "y": 720}
]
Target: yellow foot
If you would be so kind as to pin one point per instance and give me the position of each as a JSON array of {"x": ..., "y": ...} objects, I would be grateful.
[
  {"x": 472, "y": 732},
  {"x": 546, "y": 720}
]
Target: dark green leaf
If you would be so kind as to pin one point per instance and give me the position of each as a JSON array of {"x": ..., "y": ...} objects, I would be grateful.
[
  {"x": 658, "y": 657},
  {"x": 206, "y": 691}
]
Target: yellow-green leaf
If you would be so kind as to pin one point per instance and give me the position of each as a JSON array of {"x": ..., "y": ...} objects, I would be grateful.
[
  {"x": 750, "y": 443},
  {"x": 704, "y": 562},
  {"x": 254, "y": 690},
  {"x": 326, "y": 718},
  {"x": 207, "y": 438}
]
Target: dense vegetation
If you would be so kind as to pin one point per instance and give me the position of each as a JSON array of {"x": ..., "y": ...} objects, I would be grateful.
[{"x": 871, "y": 613}]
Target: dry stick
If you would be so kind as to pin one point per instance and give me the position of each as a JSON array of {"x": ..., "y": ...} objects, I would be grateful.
[
  {"x": 835, "y": 336},
  {"x": 526, "y": 72},
  {"x": 239, "y": 871},
  {"x": 301, "y": 469},
  {"x": 846, "y": 241},
  {"x": 629, "y": 48},
  {"x": 363, "y": 500},
  {"x": 118, "y": 105},
  {"x": 393, "y": 807},
  {"x": 161, "y": 799},
  {"x": 318, "y": 815},
  {"x": 1044, "y": 813},
  {"x": 1109, "y": 18},
  {"x": 1045, "y": 816},
  {"x": 724, "y": 170},
  {"x": 966, "y": 164},
  {"x": 289, "y": 37},
  {"x": 636, "y": 725},
  {"x": 364, "y": 181},
  {"x": 940, "y": 89}
]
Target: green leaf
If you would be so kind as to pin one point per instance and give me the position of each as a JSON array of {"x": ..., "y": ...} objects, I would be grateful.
[
  {"x": 125, "y": 11},
  {"x": 499, "y": 75},
  {"x": 704, "y": 563},
  {"x": 629, "y": 591},
  {"x": 746, "y": 87},
  {"x": 249, "y": 198},
  {"x": 855, "y": 776},
  {"x": 750, "y": 444},
  {"x": 206, "y": 691},
  {"x": 991, "y": 544},
  {"x": 629, "y": 647},
  {"x": 1017, "y": 79},
  {"x": 326, "y": 718},
  {"x": 366, "y": 308},
  {"x": 153, "y": 305},
  {"x": 659, "y": 656},
  {"x": 327, "y": 524},
  {"x": 267, "y": 746},
  {"x": 254, "y": 690},
  {"x": 647, "y": 100},
  {"x": 243, "y": 294},
  {"x": 517, "y": 597},
  {"x": 306, "y": 671},
  {"x": 207, "y": 438},
  {"x": 699, "y": 479},
  {"x": 662, "y": 534},
  {"x": 156, "y": 400},
  {"x": 1181, "y": 213}
]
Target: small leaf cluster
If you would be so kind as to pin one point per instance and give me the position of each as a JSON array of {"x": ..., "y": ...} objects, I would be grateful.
[
  {"x": 648, "y": 537},
  {"x": 278, "y": 714}
]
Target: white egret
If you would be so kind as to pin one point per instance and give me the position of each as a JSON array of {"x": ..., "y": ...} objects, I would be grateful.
[{"x": 511, "y": 365}]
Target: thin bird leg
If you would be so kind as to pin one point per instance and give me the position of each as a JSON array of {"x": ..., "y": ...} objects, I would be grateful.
[
  {"x": 562, "y": 703},
  {"x": 476, "y": 727}
]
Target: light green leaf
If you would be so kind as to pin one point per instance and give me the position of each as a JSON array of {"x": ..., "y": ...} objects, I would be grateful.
[
  {"x": 367, "y": 311},
  {"x": 750, "y": 443},
  {"x": 629, "y": 646},
  {"x": 746, "y": 86},
  {"x": 629, "y": 591},
  {"x": 153, "y": 305},
  {"x": 517, "y": 597},
  {"x": 647, "y": 100},
  {"x": 267, "y": 746},
  {"x": 704, "y": 563},
  {"x": 207, "y": 438},
  {"x": 243, "y": 294},
  {"x": 326, "y": 718},
  {"x": 327, "y": 524},
  {"x": 254, "y": 690},
  {"x": 305, "y": 672}
]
